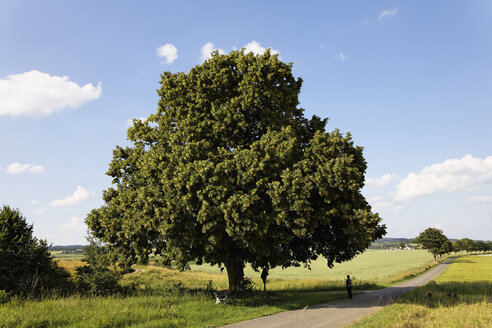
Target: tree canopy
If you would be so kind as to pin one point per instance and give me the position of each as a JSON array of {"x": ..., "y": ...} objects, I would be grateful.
[
  {"x": 228, "y": 171},
  {"x": 26, "y": 265},
  {"x": 435, "y": 242}
]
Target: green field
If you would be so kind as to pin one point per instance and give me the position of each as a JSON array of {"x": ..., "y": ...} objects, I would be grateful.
[
  {"x": 460, "y": 297},
  {"x": 169, "y": 298},
  {"x": 378, "y": 266}
]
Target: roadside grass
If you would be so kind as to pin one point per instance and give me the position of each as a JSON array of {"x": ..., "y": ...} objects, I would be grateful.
[
  {"x": 460, "y": 297},
  {"x": 168, "y": 298},
  {"x": 172, "y": 310}
]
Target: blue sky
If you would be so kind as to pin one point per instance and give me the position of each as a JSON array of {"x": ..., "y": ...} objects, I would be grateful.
[{"x": 411, "y": 80}]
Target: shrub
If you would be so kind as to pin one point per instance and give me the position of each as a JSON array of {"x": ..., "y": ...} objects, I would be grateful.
[
  {"x": 26, "y": 265},
  {"x": 96, "y": 278}
]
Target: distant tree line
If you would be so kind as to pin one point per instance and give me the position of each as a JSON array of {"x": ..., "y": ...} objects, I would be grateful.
[{"x": 438, "y": 244}]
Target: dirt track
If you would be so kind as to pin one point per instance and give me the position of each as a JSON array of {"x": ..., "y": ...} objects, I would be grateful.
[{"x": 342, "y": 312}]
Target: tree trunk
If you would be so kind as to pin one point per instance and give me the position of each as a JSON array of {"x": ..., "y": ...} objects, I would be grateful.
[{"x": 235, "y": 274}]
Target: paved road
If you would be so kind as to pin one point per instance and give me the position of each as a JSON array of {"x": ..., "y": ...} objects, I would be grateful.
[{"x": 342, "y": 312}]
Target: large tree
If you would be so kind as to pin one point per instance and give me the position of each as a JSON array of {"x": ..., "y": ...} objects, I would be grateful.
[
  {"x": 435, "y": 242},
  {"x": 228, "y": 171}
]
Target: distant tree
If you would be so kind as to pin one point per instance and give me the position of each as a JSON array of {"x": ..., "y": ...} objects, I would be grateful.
[
  {"x": 446, "y": 248},
  {"x": 434, "y": 241},
  {"x": 229, "y": 171},
  {"x": 465, "y": 244},
  {"x": 26, "y": 265},
  {"x": 402, "y": 245},
  {"x": 480, "y": 246}
]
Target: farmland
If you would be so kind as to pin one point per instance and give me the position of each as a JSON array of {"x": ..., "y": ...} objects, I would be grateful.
[
  {"x": 165, "y": 297},
  {"x": 460, "y": 297}
]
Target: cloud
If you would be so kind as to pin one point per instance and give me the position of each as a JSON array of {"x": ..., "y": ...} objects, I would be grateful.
[
  {"x": 452, "y": 175},
  {"x": 75, "y": 225},
  {"x": 17, "y": 168},
  {"x": 256, "y": 48},
  {"x": 379, "y": 202},
  {"x": 479, "y": 200},
  {"x": 341, "y": 56},
  {"x": 71, "y": 232},
  {"x": 40, "y": 211},
  {"x": 167, "y": 51},
  {"x": 381, "y": 181},
  {"x": 79, "y": 195},
  {"x": 385, "y": 14},
  {"x": 207, "y": 50},
  {"x": 130, "y": 121},
  {"x": 37, "y": 94},
  {"x": 35, "y": 202}
]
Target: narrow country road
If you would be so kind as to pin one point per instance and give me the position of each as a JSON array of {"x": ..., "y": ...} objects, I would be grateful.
[{"x": 342, "y": 312}]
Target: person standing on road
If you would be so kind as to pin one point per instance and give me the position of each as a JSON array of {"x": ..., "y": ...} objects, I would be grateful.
[{"x": 348, "y": 283}]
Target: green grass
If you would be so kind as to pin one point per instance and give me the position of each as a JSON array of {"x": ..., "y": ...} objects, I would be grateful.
[
  {"x": 460, "y": 297},
  {"x": 168, "y": 298},
  {"x": 147, "y": 311},
  {"x": 373, "y": 267}
]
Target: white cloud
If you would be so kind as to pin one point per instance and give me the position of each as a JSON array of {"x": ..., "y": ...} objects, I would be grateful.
[
  {"x": 341, "y": 56},
  {"x": 75, "y": 225},
  {"x": 35, "y": 202},
  {"x": 130, "y": 121},
  {"x": 37, "y": 94},
  {"x": 207, "y": 50},
  {"x": 17, "y": 168},
  {"x": 387, "y": 14},
  {"x": 167, "y": 51},
  {"x": 452, "y": 175},
  {"x": 379, "y": 202},
  {"x": 479, "y": 200},
  {"x": 381, "y": 181},
  {"x": 79, "y": 195},
  {"x": 71, "y": 232},
  {"x": 40, "y": 211},
  {"x": 256, "y": 48}
]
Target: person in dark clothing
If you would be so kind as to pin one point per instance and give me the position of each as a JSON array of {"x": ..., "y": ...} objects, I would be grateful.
[
  {"x": 264, "y": 275},
  {"x": 348, "y": 283}
]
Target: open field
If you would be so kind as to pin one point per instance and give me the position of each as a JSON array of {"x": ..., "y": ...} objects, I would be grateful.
[
  {"x": 460, "y": 297},
  {"x": 380, "y": 267},
  {"x": 170, "y": 298}
]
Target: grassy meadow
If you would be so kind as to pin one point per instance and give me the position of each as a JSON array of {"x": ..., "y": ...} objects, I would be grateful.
[
  {"x": 375, "y": 266},
  {"x": 168, "y": 298},
  {"x": 459, "y": 297}
]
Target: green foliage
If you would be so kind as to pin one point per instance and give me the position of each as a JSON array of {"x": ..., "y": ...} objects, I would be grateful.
[
  {"x": 469, "y": 245},
  {"x": 228, "y": 171},
  {"x": 435, "y": 242},
  {"x": 4, "y": 297},
  {"x": 96, "y": 278},
  {"x": 26, "y": 265}
]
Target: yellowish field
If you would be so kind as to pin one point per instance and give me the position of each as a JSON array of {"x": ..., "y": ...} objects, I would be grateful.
[
  {"x": 460, "y": 297},
  {"x": 69, "y": 264},
  {"x": 372, "y": 265}
]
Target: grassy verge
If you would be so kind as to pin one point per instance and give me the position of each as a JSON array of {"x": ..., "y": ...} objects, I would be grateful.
[
  {"x": 168, "y": 298},
  {"x": 198, "y": 310},
  {"x": 460, "y": 297}
]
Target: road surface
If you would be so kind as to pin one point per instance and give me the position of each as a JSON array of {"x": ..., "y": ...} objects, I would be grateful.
[{"x": 342, "y": 312}]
